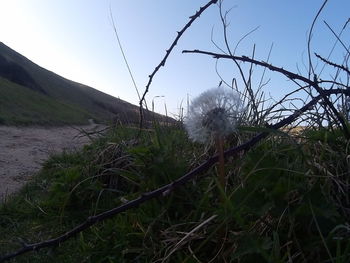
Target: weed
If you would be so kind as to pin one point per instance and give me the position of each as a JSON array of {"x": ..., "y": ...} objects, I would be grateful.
[{"x": 278, "y": 206}]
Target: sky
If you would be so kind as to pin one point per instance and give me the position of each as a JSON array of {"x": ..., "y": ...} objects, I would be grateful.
[{"x": 75, "y": 39}]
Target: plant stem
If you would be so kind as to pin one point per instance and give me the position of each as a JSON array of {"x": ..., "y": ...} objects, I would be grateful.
[{"x": 220, "y": 149}]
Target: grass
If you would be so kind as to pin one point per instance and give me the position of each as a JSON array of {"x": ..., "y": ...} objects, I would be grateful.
[
  {"x": 47, "y": 98},
  {"x": 22, "y": 106},
  {"x": 284, "y": 202}
]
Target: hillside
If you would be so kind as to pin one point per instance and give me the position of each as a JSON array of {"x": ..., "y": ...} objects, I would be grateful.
[
  {"x": 20, "y": 105},
  {"x": 30, "y": 94}
]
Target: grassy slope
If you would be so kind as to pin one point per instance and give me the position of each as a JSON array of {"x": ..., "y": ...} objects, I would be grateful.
[
  {"x": 100, "y": 105},
  {"x": 278, "y": 206},
  {"x": 20, "y": 105}
]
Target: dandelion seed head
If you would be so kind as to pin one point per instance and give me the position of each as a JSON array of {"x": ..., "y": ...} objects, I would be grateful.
[{"x": 214, "y": 112}]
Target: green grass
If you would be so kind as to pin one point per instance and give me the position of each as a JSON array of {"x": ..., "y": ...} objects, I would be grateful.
[
  {"x": 22, "y": 106},
  {"x": 58, "y": 100},
  {"x": 279, "y": 205}
]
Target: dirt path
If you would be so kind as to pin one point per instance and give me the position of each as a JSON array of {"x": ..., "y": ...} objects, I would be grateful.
[{"x": 23, "y": 151}]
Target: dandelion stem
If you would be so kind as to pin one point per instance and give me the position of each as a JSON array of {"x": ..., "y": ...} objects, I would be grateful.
[{"x": 220, "y": 149}]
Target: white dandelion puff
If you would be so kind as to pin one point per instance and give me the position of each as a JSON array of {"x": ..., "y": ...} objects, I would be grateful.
[{"x": 214, "y": 113}]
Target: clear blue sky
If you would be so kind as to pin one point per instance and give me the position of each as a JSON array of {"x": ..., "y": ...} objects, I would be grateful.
[{"x": 75, "y": 39}]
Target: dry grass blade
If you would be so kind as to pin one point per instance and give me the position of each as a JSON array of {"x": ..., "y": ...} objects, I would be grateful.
[{"x": 188, "y": 236}]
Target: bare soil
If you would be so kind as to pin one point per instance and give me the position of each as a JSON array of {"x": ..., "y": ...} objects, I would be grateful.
[{"x": 23, "y": 150}]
